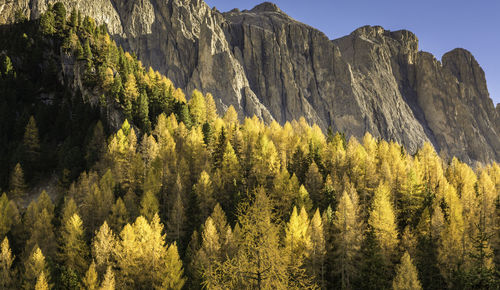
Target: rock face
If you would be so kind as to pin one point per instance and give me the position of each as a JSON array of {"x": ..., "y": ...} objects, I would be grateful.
[{"x": 265, "y": 63}]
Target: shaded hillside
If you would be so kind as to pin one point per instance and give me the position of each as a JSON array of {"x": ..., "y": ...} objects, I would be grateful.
[{"x": 64, "y": 84}]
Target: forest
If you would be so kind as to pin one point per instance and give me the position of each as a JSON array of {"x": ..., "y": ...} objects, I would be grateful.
[{"x": 177, "y": 196}]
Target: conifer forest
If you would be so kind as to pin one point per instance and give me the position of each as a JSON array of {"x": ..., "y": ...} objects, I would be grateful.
[{"x": 115, "y": 179}]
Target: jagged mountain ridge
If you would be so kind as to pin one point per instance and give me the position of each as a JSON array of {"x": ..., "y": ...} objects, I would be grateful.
[{"x": 263, "y": 62}]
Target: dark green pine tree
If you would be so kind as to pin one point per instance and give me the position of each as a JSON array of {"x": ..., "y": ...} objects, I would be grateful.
[
  {"x": 117, "y": 88},
  {"x": 208, "y": 135},
  {"x": 329, "y": 135},
  {"x": 17, "y": 185},
  {"x": 182, "y": 111},
  {"x": 143, "y": 113},
  {"x": 59, "y": 16},
  {"x": 299, "y": 165},
  {"x": 375, "y": 274},
  {"x": 47, "y": 23},
  {"x": 426, "y": 261},
  {"x": 96, "y": 146},
  {"x": 482, "y": 273},
  {"x": 78, "y": 51},
  {"x": 73, "y": 18},
  {"x": 219, "y": 149},
  {"x": 31, "y": 147},
  {"x": 87, "y": 52}
]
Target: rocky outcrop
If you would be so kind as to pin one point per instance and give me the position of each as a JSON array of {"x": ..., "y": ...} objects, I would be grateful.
[
  {"x": 265, "y": 63},
  {"x": 456, "y": 104}
]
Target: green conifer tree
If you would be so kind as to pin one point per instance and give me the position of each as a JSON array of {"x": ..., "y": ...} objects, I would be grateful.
[
  {"x": 17, "y": 185},
  {"x": 31, "y": 145}
]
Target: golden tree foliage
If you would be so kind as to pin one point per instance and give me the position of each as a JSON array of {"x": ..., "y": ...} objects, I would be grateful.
[
  {"x": 210, "y": 108},
  {"x": 451, "y": 251},
  {"x": 347, "y": 239},
  {"x": 104, "y": 244},
  {"x": 144, "y": 259},
  {"x": 91, "y": 280},
  {"x": 431, "y": 166},
  {"x": 406, "y": 275},
  {"x": 316, "y": 263},
  {"x": 258, "y": 261},
  {"x": 198, "y": 108},
  {"x": 17, "y": 184},
  {"x": 265, "y": 160},
  {"x": 9, "y": 215},
  {"x": 108, "y": 283},
  {"x": 231, "y": 116},
  {"x": 204, "y": 195},
  {"x": 38, "y": 223},
  {"x": 7, "y": 274},
  {"x": 383, "y": 221},
  {"x": 130, "y": 88},
  {"x": 149, "y": 205},
  {"x": 74, "y": 250},
  {"x": 209, "y": 257},
  {"x": 297, "y": 237},
  {"x": 34, "y": 266},
  {"x": 41, "y": 282}
]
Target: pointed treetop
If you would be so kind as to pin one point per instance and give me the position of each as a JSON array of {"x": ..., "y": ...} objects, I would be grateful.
[
  {"x": 406, "y": 275},
  {"x": 41, "y": 282}
]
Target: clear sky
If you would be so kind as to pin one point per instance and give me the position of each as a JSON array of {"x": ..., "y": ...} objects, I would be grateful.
[{"x": 440, "y": 25}]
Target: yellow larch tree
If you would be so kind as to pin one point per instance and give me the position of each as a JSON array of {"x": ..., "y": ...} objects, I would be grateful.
[
  {"x": 451, "y": 253},
  {"x": 143, "y": 257},
  {"x": 33, "y": 267},
  {"x": 383, "y": 221},
  {"x": 211, "y": 109},
  {"x": 91, "y": 279},
  {"x": 104, "y": 244},
  {"x": 347, "y": 239},
  {"x": 108, "y": 283},
  {"x": 209, "y": 256},
  {"x": 297, "y": 237},
  {"x": 316, "y": 263},
  {"x": 74, "y": 251},
  {"x": 41, "y": 282},
  {"x": 197, "y": 108},
  {"x": 258, "y": 261},
  {"x": 205, "y": 198},
  {"x": 7, "y": 274},
  {"x": 406, "y": 275}
]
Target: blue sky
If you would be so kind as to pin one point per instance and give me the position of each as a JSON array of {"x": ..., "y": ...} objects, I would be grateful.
[{"x": 440, "y": 25}]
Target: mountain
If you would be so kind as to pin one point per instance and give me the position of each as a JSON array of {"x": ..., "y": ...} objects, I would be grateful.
[{"x": 265, "y": 63}]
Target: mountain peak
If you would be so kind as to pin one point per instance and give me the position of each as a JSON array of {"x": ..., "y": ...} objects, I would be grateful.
[
  {"x": 373, "y": 32},
  {"x": 266, "y": 7}
]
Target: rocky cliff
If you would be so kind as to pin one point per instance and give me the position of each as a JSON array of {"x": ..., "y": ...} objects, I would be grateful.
[{"x": 265, "y": 63}]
